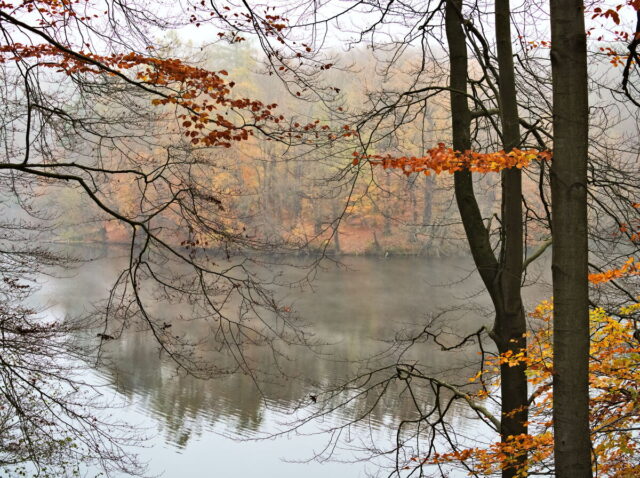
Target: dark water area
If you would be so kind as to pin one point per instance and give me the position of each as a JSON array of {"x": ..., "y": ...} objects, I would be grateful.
[{"x": 233, "y": 426}]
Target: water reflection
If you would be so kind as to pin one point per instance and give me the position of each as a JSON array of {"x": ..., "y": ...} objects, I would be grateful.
[{"x": 352, "y": 310}]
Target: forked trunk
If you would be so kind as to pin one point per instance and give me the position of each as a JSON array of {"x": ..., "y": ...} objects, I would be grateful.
[{"x": 501, "y": 277}]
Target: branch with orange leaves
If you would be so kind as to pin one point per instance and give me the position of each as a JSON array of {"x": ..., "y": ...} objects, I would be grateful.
[
  {"x": 629, "y": 268},
  {"x": 200, "y": 92},
  {"x": 443, "y": 159},
  {"x": 204, "y": 96}
]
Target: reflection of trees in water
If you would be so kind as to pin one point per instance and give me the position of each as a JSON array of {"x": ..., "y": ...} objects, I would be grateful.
[
  {"x": 186, "y": 405},
  {"x": 183, "y": 403},
  {"x": 349, "y": 310}
]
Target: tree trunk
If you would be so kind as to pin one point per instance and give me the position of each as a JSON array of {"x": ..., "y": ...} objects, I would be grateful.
[
  {"x": 501, "y": 277},
  {"x": 427, "y": 211},
  {"x": 335, "y": 212},
  {"x": 295, "y": 193},
  {"x": 387, "y": 209},
  {"x": 510, "y": 326},
  {"x": 570, "y": 248},
  {"x": 475, "y": 230}
]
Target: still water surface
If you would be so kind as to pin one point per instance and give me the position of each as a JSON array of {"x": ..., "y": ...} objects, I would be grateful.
[{"x": 224, "y": 427}]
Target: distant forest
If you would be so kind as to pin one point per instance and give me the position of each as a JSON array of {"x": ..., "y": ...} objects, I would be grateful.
[{"x": 299, "y": 199}]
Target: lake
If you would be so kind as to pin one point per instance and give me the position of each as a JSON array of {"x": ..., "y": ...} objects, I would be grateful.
[{"x": 231, "y": 426}]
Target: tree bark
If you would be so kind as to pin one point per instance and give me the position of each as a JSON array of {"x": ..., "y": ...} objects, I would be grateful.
[
  {"x": 510, "y": 324},
  {"x": 570, "y": 249},
  {"x": 475, "y": 230}
]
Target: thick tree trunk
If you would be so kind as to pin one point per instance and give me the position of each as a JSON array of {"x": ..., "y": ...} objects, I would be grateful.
[
  {"x": 511, "y": 326},
  {"x": 570, "y": 249},
  {"x": 501, "y": 277}
]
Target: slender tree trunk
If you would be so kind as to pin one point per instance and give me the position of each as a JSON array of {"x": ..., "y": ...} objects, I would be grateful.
[
  {"x": 414, "y": 202},
  {"x": 570, "y": 248},
  {"x": 427, "y": 210},
  {"x": 475, "y": 230},
  {"x": 501, "y": 277},
  {"x": 335, "y": 212},
  {"x": 295, "y": 194},
  {"x": 387, "y": 209}
]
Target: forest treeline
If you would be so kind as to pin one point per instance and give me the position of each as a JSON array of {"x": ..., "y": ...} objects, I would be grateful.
[{"x": 302, "y": 199}]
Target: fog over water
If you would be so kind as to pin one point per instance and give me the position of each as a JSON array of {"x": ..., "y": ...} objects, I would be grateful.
[{"x": 223, "y": 427}]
